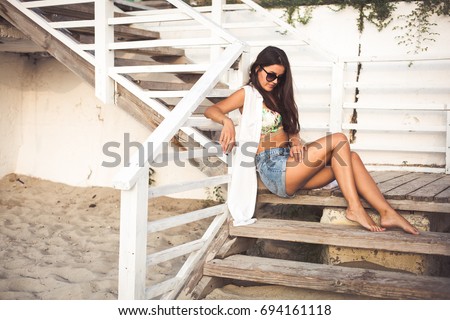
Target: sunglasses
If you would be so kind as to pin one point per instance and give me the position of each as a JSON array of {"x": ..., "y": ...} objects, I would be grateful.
[{"x": 271, "y": 76}]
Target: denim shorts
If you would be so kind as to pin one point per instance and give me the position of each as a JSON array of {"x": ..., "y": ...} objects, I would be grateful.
[{"x": 271, "y": 167}]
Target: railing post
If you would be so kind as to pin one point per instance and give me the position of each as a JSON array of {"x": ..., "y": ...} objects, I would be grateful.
[
  {"x": 133, "y": 240},
  {"x": 237, "y": 78},
  {"x": 104, "y": 58},
  {"x": 217, "y": 17},
  {"x": 447, "y": 150},
  {"x": 337, "y": 96}
]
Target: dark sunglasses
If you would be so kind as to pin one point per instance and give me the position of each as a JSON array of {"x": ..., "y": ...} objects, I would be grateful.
[{"x": 271, "y": 76}]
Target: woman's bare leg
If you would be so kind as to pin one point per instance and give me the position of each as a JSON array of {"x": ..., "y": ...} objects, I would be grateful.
[
  {"x": 334, "y": 149},
  {"x": 369, "y": 190}
]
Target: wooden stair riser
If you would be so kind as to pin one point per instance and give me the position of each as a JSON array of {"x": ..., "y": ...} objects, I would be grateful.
[
  {"x": 355, "y": 237},
  {"x": 372, "y": 283}
]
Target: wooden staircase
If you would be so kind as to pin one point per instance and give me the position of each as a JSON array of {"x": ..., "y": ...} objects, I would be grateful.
[
  {"x": 157, "y": 56},
  {"x": 418, "y": 192},
  {"x": 339, "y": 279}
]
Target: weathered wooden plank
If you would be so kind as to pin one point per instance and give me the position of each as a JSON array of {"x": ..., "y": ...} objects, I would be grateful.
[
  {"x": 373, "y": 283},
  {"x": 204, "y": 287},
  {"x": 334, "y": 201},
  {"x": 323, "y": 192},
  {"x": 50, "y": 3},
  {"x": 121, "y": 33},
  {"x": 160, "y": 85},
  {"x": 396, "y": 182},
  {"x": 428, "y": 192},
  {"x": 52, "y": 45},
  {"x": 383, "y": 176},
  {"x": 346, "y": 236},
  {"x": 411, "y": 186},
  {"x": 168, "y": 68},
  {"x": 132, "y": 62},
  {"x": 79, "y": 11},
  {"x": 319, "y": 198},
  {"x": 193, "y": 260},
  {"x": 155, "y": 52},
  {"x": 379, "y": 177},
  {"x": 375, "y": 174},
  {"x": 157, "y": 4},
  {"x": 444, "y": 196},
  {"x": 193, "y": 285},
  {"x": 19, "y": 46}
]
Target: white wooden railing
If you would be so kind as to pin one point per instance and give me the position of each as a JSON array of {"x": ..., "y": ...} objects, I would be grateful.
[
  {"x": 133, "y": 180},
  {"x": 370, "y": 125}
]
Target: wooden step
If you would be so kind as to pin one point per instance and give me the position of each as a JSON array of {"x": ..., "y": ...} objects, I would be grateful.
[
  {"x": 82, "y": 11},
  {"x": 408, "y": 191},
  {"x": 373, "y": 283},
  {"x": 346, "y": 236},
  {"x": 159, "y": 4},
  {"x": 161, "y": 85},
  {"x": 155, "y": 52},
  {"x": 61, "y": 52},
  {"x": 122, "y": 33}
]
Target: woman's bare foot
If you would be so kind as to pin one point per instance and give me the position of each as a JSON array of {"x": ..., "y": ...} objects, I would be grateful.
[
  {"x": 394, "y": 220},
  {"x": 360, "y": 216}
]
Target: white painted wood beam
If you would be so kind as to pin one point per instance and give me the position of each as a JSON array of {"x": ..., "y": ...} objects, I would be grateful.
[
  {"x": 171, "y": 222},
  {"x": 50, "y": 3}
]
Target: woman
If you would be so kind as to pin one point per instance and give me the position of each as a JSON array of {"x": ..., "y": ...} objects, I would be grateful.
[{"x": 284, "y": 163}]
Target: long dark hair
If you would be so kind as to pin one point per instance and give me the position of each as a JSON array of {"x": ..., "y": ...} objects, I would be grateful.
[{"x": 281, "y": 99}]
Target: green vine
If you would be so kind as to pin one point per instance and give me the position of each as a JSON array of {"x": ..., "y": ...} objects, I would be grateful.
[{"x": 417, "y": 28}]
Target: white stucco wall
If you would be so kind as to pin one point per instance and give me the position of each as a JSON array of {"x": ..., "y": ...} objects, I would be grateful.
[{"x": 52, "y": 127}]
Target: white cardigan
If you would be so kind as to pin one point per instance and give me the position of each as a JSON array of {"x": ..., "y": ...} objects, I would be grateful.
[{"x": 244, "y": 184}]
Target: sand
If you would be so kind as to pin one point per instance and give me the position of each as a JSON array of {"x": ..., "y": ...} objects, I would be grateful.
[{"x": 62, "y": 242}]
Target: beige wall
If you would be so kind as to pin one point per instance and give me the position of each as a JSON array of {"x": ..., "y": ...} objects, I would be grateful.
[
  {"x": 11, "y": 73},
  {"x": 52, "y": 127}
]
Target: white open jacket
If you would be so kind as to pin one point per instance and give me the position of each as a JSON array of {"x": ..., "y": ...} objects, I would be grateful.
[{"x": 244, "y": 183}]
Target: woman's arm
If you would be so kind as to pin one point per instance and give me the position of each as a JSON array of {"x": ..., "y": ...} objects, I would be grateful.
[{"x": 218, "y": 113}]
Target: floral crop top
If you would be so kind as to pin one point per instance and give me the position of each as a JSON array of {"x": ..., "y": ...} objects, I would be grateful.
[{"x": 271, "y": 121}]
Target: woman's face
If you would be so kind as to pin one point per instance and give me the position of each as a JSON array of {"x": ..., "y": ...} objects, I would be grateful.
[{"x": 268, "y": 73}]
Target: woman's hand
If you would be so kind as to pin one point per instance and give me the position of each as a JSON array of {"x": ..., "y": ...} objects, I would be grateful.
[
  {"x": 227, "y": 136},
  {"x": 218, "y": 113},
  {"x": 298, "y": 152}
]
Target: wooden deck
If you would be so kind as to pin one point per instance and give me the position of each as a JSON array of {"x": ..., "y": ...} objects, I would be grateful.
[{"x": 410, "y": 191}]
